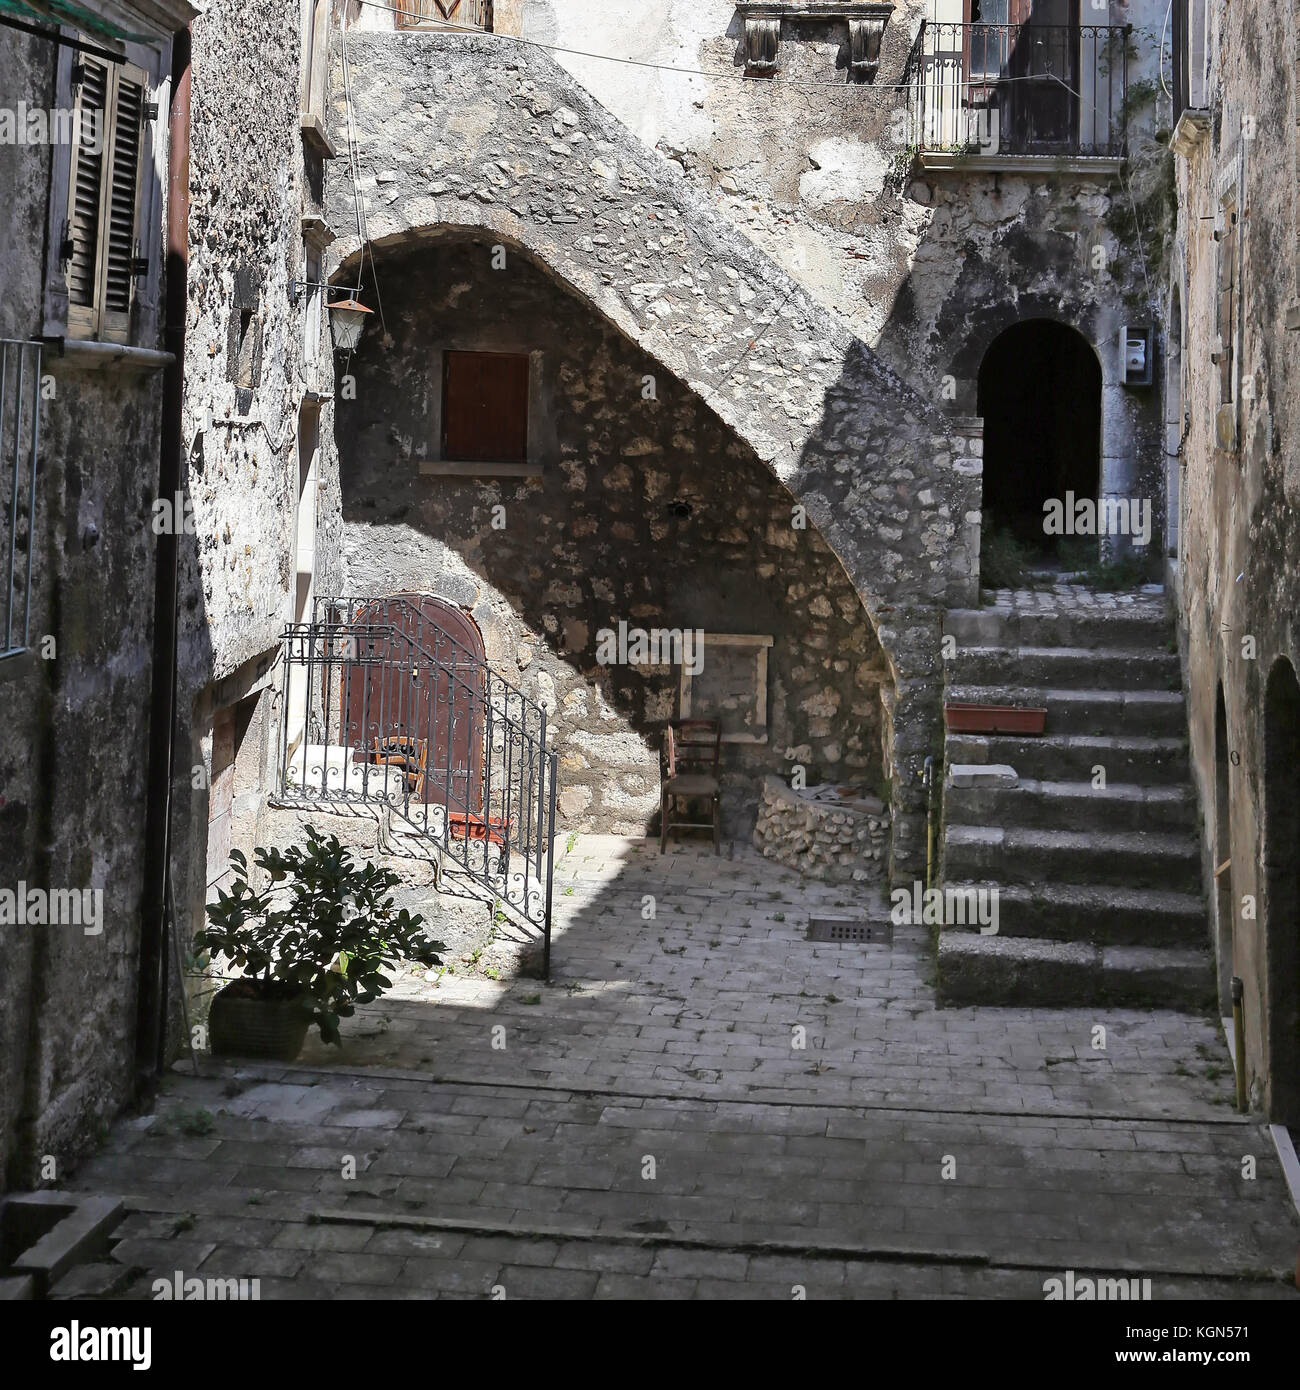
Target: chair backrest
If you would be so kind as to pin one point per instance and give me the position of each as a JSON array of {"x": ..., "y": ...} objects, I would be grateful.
[{"x": 693, "y": 744}]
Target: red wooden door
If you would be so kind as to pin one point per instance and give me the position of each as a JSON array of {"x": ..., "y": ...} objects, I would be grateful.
[{"x": 417, "y": 697}]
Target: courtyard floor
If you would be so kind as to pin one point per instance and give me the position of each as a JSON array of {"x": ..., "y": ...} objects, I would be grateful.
[{"x": 704, "y": 1104}]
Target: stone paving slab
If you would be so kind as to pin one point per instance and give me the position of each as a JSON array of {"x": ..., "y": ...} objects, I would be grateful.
[{"x": 647, "y": 1126}]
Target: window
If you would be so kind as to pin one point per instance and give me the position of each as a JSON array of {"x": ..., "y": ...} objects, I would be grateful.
[
  {"x": 100, "y": 251},
  {"x": 1028, "y": 50},
  {"x": 444, "y": 14},
  {"x": 485, "y": 407}
]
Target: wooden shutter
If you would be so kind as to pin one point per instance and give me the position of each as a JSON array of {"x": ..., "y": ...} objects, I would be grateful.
[
  {"x": 122, "y": 203},
  {"x": 1227, "y": 297},
  {"x": 485, "y": 407},
  {"x": 86, "y": 197},
  {"x": 104, "y": 200}
]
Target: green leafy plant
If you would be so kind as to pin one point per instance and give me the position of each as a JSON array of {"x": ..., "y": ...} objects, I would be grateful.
[
  {"x": 1003, "y": 560},
  {"x": 325, "y": 930}
]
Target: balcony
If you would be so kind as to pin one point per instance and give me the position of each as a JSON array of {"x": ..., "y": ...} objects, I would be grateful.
[{"x": 994, "y": 96}]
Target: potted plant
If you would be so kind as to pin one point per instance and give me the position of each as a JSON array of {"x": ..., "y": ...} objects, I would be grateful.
[{"x": 311, "y": 947}]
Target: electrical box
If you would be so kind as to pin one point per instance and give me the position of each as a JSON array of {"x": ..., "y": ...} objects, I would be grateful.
[{"x": 1138, "y": 344}]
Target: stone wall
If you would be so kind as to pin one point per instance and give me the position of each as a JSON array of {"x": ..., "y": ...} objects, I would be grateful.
[
  {"x": 648, "y": 511},
  {"x": 1238, "y": 571},
  {"x": 840, "y": 841},
  {"x": 73, "y": 740}
]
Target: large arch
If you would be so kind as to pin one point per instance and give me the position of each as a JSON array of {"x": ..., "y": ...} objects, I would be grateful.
[
  {"x": 1282, "y": 889},
  {"x": 631, "y": 502},
  {"x": 520, "y": 153},
  {"x": 1039, "y": 394}
]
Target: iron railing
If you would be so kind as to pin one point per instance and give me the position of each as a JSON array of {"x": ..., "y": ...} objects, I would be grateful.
[
  {"x": 20, "y": 442},
  {"x": 381, "y": 706},
  {"x": 1023, "y": 89},
  {"x": 459, "y": 14}
]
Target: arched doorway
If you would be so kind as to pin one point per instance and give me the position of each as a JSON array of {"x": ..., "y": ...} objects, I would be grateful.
[
  {"x": 1224, "y": 917},
  {"x": 1039, "y": 392},
  {"x": 418, "y": 697},
  {"x": 1282, "y": 889}
]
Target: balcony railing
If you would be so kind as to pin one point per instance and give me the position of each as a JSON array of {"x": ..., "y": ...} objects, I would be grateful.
[
  {"x": 1022, "y": 89},
  {"x": 444, "y": 14}
]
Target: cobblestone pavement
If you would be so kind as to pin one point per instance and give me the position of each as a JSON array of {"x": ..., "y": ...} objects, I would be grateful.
[{"x": 648, "y": 1126}]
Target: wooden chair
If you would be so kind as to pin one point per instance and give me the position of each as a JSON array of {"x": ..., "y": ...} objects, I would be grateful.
[
  {"x": 692, "y": 752},
  {"x": 410, "y": 755}
]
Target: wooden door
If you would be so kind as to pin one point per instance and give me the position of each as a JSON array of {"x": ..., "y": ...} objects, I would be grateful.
[{"x": 418, "y": 698}]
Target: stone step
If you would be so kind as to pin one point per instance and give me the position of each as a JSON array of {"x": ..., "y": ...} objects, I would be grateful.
[
  {"x": 1073, "y": 805},
  {"x": 1065, "y": 668},
  {"x": 1154, "y": 713},
  {"x": 1133, "y": 859},
  {"x": 1020, "y": 971},
  {"x": 1067, "y": 757},
  {"x": 1100, "y": 915},
  {"x": 999, "y": 626}
]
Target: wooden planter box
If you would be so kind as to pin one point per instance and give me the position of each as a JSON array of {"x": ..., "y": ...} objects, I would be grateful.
[{"x": 993, "y": 719}]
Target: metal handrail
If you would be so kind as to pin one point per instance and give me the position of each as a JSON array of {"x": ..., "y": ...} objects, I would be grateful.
[
  {"x": 1016, "y": 89},
  {"x": 377, "y": 704}
]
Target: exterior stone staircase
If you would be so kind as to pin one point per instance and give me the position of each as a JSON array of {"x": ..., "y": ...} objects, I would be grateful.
[{"x": 1100, "y": 896}]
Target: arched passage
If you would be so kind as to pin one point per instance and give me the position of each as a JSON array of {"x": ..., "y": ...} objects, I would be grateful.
[
  {"x": 1282, "y": 889},
  {"x": 1040, "y": 396}
]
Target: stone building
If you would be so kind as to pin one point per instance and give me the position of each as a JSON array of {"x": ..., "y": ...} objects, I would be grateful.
[
  {"x": 761, "y": 327},
  {"x": 161, "y": 193},
  {"x": 1233, "y": 388}
]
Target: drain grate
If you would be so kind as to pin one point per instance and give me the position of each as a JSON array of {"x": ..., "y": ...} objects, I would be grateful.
[{"x": 848, "y": 929}]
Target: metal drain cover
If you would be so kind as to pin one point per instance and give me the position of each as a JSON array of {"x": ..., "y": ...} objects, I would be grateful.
[{"x": 848, "y": 929}]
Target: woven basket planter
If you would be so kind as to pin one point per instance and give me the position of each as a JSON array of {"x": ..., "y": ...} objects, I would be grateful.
[{"x": 272, "y": 1029}]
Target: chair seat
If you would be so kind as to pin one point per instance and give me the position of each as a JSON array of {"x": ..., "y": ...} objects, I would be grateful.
[{"x": 691, "y": 784}]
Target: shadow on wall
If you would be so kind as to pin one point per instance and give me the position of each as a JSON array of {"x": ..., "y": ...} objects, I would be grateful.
[{"x": 629, "y": 502}]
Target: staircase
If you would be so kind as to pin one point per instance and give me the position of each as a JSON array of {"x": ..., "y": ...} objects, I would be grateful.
[{"x": 1100, "y": 899}]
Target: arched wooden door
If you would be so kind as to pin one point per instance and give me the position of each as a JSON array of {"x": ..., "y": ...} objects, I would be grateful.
[{"x": 417, "y": 697}]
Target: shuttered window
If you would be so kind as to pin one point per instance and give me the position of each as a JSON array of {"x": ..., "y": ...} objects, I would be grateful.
[
  {"x": 102, "y": 243},
  {"x": 485, "y": 407},
  {"x": 1226, "y": 316}
]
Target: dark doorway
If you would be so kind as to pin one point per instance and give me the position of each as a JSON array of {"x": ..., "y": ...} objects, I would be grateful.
[
  {"x": 1040, "y": 396},
  {"x": 1225, "y": 917},
  {"x": 417, "y": 699},
  {"x": 1282, "y": 890}
]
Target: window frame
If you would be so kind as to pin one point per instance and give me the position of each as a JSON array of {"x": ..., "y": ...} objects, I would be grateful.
[
  {"x": 138, "y": 325},
  {"x": 539, "y": 430}
]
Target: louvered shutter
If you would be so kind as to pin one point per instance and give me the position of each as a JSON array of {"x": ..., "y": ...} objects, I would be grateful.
[
  {"x": 85, "y": 198},
  {"x": 104, "y": 200},
  {"x": 121, "y": 204}
]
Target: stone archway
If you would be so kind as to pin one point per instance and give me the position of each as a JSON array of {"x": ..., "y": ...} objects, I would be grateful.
[
  {"x": 632, "y": 505},
  {"x": 1281, "y": 914},
  {"x": 523, "y": 154},
  {"x": 1039, "y": 393}
]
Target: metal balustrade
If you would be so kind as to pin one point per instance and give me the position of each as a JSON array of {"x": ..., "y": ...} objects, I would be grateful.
[
  {"x": 382, "y": 707},
  {"x": 1022, "y": 89}
]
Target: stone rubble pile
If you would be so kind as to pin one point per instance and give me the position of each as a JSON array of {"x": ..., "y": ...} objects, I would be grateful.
[{"x": 841, "y": 838}]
